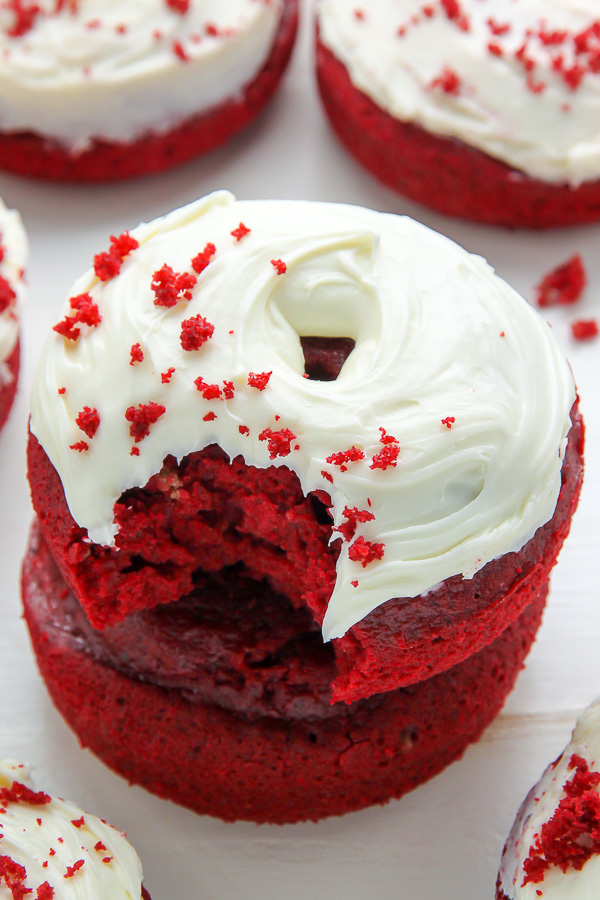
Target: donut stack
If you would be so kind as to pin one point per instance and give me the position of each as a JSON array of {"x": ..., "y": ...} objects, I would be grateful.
[{"x": 300, "y": 473}]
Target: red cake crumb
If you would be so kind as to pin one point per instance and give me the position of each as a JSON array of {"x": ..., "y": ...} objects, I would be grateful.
[
  {"x": 180, "y": 51},
  {"x": 25, "y": 15},
  {"x": 166, "y": 376},
  {"x": 45, "y": 892},
  {"x": 455, "y": 14},
  {"x": 78, "y": 823},
  {"x": 564, "y": 284},
  {"x": 13, "y": 875},
  {"x": 572, "y": 835},
  {"x": 20, "y": 793},
  {"x": 62, "y": 390},
  {"x": 142, "y": 417},
  {"x": 278, "y": 441},
  {"x": 386, "y": 457},
  {"x": 170, "y": 287},
  {"x": 195, "y": 332},
  {"x": 240, "y": 232},
  {"x": 345, "y": 456},
  {"x": 88, "y": 420},
  {"x": 584, "y": 329},
  {"x": 200, "y": 262},
  {"x": 279, "y": 266},
  {"x": 180, "y": 6},
  {"x": 209, "y": 417},
  {"x": 108, "y": 264},
  {"x": 100, "y": 847},
  {"x": 365, "y": 552},
  {"x": 448, "y": 81},
  {"x": 71, "y": 870},
  {"x": 136, "y": 353},
  {"x": 208, "y": 391},
  {"x": 243, "y": 429},
  {"x": 228, "y": 390},
  {"x": 86, "y": 313},
  {"x": 80, "y": 446},
  {"x": 450, "y": 420},
  {"x": 259, "y": 380},
  {"x": 353, "y": 516},
  {"x": 7, "y": 295}
]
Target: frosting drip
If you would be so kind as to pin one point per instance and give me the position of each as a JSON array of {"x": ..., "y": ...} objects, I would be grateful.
[
  {"x": 13, "y": 253},
  {"x": 51, "y": 837},
  {"x": 538, "y": 808},
  {"x": 518, "y": 79},
  {"x": 113, "y": 70},
  {"x": 440, "y": 442}
]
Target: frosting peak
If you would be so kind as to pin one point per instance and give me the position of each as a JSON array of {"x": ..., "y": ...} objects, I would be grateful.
[{"x": 440, "y": 442}]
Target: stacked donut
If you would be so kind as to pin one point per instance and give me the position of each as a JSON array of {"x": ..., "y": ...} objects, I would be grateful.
[
  {"x": 102, "y": 90},
  {"x": 484, "y": 110},
  {"x": 301, "y": 472}
]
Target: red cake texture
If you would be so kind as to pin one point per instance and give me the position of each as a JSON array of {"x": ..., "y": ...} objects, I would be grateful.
[
  {"x": 9, "y": 389},
  {"x": 442, "y": 172},
  {"x": 208, "y": 513},
  {"x": 27, "y": 153},
  {"x": 564, "y": 284},
  {"x": 257, "y": 756}
]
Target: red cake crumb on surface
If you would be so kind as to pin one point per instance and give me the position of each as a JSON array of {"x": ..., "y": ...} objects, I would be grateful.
[
  {"x": 195, "y": 332},
  {"x": 564, "y": 284},
  {"x": 584, "y": 329},
  {"x": 572, "y": 835},
  {"x": 142, "y": 417}
]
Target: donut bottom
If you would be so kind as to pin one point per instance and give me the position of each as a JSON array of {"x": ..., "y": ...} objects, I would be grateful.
[
  {"x": 265, "y": 769},
  {"x": 8, "y": 384},
  {"x": 441, "y": 172},
  {"x": 37, "y": 156}
]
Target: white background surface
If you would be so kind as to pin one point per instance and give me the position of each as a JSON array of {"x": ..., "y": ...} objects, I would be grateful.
[{"x": 443, "y": 841}]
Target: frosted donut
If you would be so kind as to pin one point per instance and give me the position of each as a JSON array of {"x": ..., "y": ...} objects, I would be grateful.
[
  {"x": 97, "y": 90},
  {"x": 260, "y": 425},
  {"x": 553, "y": 848},
  {"x": 49, "y": 848},
  {"x": 485, "y": 111},
  {"x": 13, "y": 254}
]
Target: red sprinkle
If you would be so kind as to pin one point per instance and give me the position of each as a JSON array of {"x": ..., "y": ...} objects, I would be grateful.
[
  {"x": 88, "y": 420},
  {"x": 62, "y": 390},
  {"x": 365, "y": 552},
  {"x": 7, "y": 295},
  {"x": 166, "y": 376},
  {"x": 170, "y": 287},
  {"x": 562, "y": 285},
  {"x": 142, "y": 417},
  {"x": 279, "y": 265},
  {"x": 448, "y": 421},
  {"x": 259, "y": 380},
  {"x": 195, "y": 332},
  {"x": 279, "y": 442},
  {"x": 354, "y": 583},
  {"x": 200, "y": 262},
  {"x": 74, "y": 868},
  {"x": 240, "y": 232},
  {"x": 327, "y": 476},
  {"x": 584, "y": 329},
  {"x": 108, "y": 264},
  {"x": 180, "y": 52},
  {"x": 136, "y": 353},
  {"x": 345, "y": 456}
]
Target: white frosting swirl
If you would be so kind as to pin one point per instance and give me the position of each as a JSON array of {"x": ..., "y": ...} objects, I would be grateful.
[
  {"x": 519, "y": 109},
  {"x": 45, "y": 841},
  {"x": 13, "y": 249},
  {"x": 538, "y": 808},
  {"x": 437, "y": 335},
  {"x": 108, "y": 69}
]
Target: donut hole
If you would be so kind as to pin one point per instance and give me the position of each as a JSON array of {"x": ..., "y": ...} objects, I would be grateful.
[{"x": 325, "y": 356}]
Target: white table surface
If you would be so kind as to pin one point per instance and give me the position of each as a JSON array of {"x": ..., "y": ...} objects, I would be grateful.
[{"x": 443, "y": 841}]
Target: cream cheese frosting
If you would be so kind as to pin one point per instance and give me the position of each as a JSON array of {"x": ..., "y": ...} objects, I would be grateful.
[
  {"x": 13, "y": 254},
  {"x": 49, "y": 841},
  {"x": 88, "y": 69},
  {"x": 446, "y": 425},
  {"x": 518, "y": 79},
  {"x": 538, "y": 808}
]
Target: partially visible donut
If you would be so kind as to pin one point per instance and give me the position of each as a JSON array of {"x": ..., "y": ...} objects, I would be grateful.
[
  {"x": 13, "y": 254},
  {"x": 45, "y": 840},
  {"x": 101, "y": 91},
  {"x": 487, "y": 113}
]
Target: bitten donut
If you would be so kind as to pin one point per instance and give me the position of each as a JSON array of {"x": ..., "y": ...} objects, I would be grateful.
[
  {"x": 265, "y": 433},
  {"x": 103, "y": 90},
  {"x": 483, "y": 110},
  {"x": 52, "y": 850},
  {"x": 13, "y": 253},
  {"x": 553, "y": 850}
]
